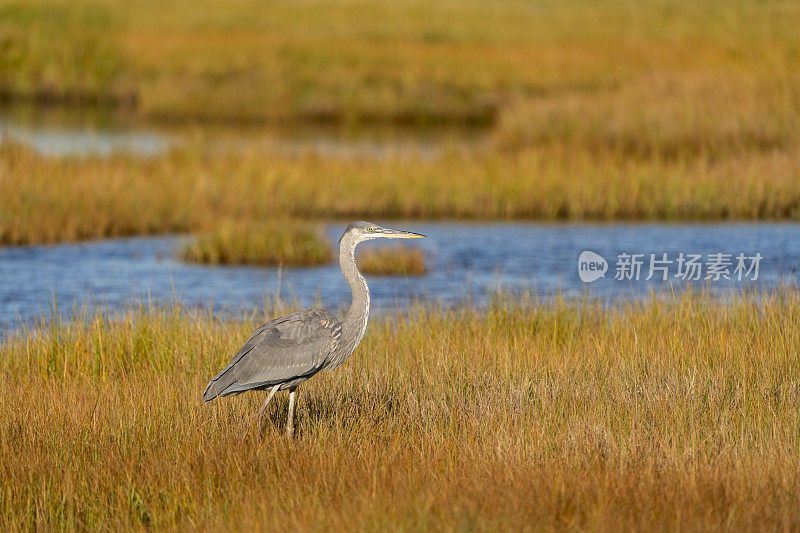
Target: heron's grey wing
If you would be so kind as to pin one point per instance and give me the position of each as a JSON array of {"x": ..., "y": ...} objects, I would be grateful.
[{"x": 286, "y": 348}]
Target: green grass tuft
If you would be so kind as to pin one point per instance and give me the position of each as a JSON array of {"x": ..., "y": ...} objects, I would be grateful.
[
  {"x": 392, "y": 261},
  {"x": 278, "y": 242}
]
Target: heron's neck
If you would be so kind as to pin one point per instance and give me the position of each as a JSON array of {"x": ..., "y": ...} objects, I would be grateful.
[{"x": 355, "y": 320}]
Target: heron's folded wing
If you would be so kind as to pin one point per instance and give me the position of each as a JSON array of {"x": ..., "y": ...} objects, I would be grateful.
[{"x": 283, "y": 349}]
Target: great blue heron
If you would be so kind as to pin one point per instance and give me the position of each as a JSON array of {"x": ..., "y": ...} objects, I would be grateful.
[{"x": 287, "y": 351}]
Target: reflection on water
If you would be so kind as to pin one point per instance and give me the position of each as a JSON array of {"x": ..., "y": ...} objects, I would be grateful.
[
  {"x": 466, "y": 261},
  {"x": 58, "y": 132}
]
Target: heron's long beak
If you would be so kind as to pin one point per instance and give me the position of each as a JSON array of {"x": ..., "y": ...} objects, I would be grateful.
[{"x": 400, "y": 234}]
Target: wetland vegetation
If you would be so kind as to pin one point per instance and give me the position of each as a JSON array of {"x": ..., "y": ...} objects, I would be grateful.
[
  {"x": 279, "y": 242},
  {"x": 392, "y": 261},
  {"x": 678, "y": 413},
  {"x": 54, "y": 200}
]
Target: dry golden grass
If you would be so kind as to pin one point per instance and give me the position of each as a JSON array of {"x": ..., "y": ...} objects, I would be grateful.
[
  {"x": 667, "y": 415},
  {"x": 406, "y": 60},
  {"x": 50, "y": 200},
  {"x": 277, "y": 242},
  {"x": 392, "y": 261},
  {"x": 667, "y": 115}
]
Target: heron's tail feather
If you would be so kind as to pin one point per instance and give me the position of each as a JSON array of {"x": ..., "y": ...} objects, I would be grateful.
[
  {"x": 212, "y": 391},
  {"x": 219, "y": 384}
]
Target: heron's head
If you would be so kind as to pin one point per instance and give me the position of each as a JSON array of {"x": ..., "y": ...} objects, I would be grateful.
[{"x": 364, "y": 231}]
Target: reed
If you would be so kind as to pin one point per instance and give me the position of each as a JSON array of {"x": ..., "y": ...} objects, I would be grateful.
[
  {"x": 392, "y": 261},
  {"x": 677, "y": 413},
  {"x": 277, "y": 242}
]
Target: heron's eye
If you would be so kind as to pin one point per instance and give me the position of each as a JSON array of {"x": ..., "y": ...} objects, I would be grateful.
[{"x": 370, "y": 229}]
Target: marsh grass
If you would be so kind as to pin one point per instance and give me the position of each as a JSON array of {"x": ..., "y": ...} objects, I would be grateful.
[
  {"x": 277, "y": 242},
  {"x": 392, "y": 261},
  {"x": 665, "y": 414},
  {"x": 52, "y": 200},
  {"x": 664, "y": 116},
  {"x": 403, "y": 61},
  {"x": 62, "y": 53}
]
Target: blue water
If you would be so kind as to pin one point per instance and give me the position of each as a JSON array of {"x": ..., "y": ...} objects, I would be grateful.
[{"x": 465, "y": 260}]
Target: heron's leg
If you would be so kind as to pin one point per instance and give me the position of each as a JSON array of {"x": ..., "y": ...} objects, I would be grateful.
[
  {"x": 290, "y": 418},
  {"x": 263, "y": 409}
]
